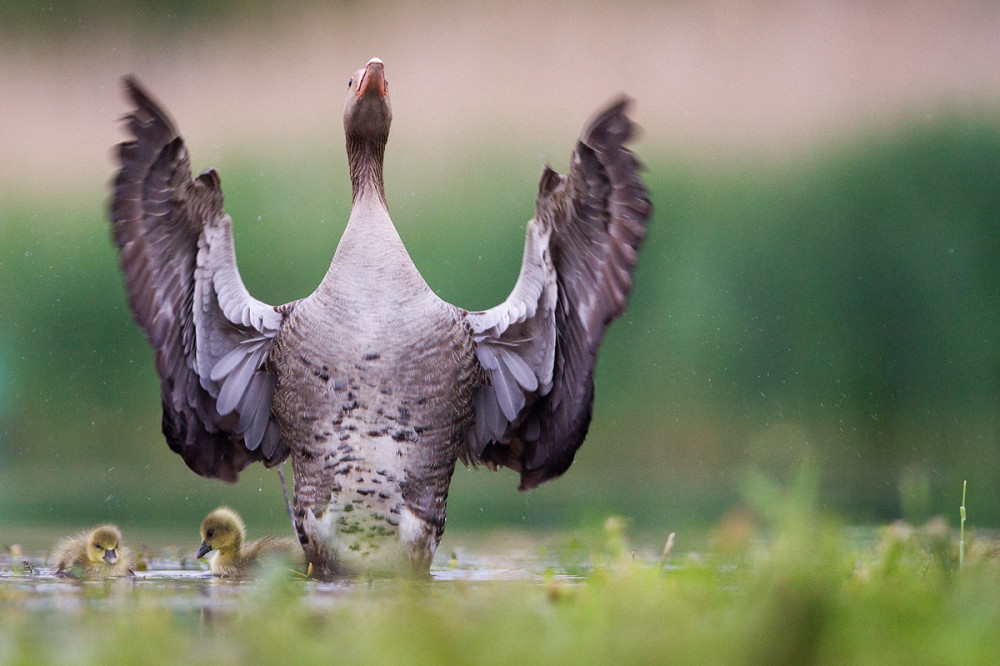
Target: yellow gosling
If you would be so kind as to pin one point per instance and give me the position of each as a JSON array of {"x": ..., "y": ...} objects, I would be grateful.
[
  {"x": 223, "y": 532},
  {"x": 94, "y": 554}
]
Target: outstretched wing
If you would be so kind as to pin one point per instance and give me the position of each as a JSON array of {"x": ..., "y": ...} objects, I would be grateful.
[
  {"x": 539, "y": 347},
  {"x": 210, "y": 336}
]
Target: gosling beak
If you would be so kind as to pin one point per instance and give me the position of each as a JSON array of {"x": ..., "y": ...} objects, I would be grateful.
[
  {"x": 202, "y": 550},
  {"x": 110, "y": 556},
  {"x": 374, "y": 76}
]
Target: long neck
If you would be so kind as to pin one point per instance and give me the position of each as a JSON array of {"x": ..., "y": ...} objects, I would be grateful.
[
  {"x": 371, "y": 260},
  {"x": 365, "y": 159}
]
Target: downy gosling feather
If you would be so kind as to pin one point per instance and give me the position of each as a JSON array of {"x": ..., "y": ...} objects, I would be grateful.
[{"x": 223, "y": 533}]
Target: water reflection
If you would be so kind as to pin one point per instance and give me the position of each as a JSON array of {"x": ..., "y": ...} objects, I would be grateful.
[{"x": 174, "y": 585}]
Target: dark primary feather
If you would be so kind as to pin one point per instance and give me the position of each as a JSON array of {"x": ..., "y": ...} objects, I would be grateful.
[
  {"x": 575, "y": 279},
  {"x": 210, "y": 337}
]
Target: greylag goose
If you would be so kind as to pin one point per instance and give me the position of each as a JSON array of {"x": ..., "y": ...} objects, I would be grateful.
[
  {"x": 96, "y": 553},
  {"x": 223, "y": 534},
  {"x": 373, "y": 385}
]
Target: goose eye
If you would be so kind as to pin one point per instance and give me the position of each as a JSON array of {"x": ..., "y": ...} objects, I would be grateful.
[{"x": 350, "y": 82}]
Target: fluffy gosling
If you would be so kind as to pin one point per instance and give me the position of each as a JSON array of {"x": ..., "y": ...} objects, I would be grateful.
[
  {"x": 223, "y": 532},
  {"x": 95, "y": 554}
]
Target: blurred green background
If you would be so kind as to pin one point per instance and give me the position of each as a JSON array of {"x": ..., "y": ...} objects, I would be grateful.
[{"x": 819, "y": 283}]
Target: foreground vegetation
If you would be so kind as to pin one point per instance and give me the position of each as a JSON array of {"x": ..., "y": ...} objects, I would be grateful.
[{"x": 777, "y": 582}]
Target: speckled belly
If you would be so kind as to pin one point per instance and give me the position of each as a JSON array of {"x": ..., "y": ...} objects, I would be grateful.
[{"x": 374, "y": 439}]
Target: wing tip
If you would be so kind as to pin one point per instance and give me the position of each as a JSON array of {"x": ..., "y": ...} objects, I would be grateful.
[
  {"x": 148, "y": 112},
  {"x": 612, "y": 127},
  {"x": 136, "y": 91}
]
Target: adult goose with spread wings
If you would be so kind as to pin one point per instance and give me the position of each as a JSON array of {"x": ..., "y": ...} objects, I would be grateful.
[{"x": 373, "y": 385}]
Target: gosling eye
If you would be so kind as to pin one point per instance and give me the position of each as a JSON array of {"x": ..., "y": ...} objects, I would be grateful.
[
  {"x": 97, "y": 546},
  {"x": 210, "y": 533}
]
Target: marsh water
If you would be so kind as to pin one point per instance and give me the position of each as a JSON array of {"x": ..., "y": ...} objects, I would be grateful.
[{"x": 182, "y": 585}]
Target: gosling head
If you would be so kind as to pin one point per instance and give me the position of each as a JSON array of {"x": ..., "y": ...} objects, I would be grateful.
[
  {"x": 222, "y": 531},
  {"x": 102, "y": 544}
]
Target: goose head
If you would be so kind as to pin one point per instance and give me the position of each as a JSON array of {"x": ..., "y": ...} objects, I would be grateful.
[
  {"x": 368, "y": 111},
  {"x": 102, "y": 545},
  {"x": 222, "y": 531}
]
